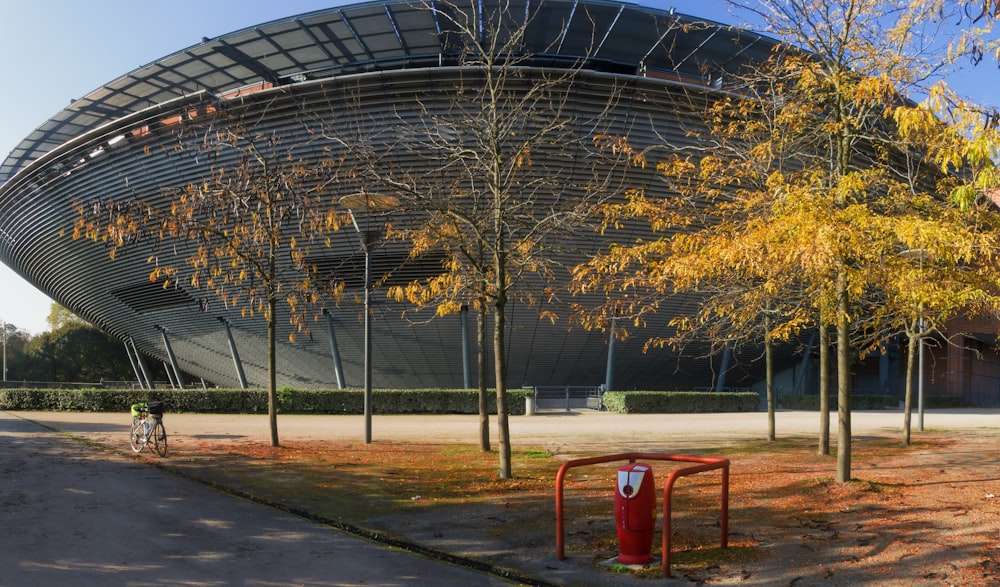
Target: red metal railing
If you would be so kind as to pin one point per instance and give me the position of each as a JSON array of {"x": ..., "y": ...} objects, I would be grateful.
[{"x": 706, "y": 464}]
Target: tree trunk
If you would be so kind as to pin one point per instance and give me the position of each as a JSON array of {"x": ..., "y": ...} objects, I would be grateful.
[
  {"x": 843, "y": 383},
  {"x": 908, "y": 394},
  {"x": 824, "y": 389},
  {"x": 272, "y": 378},
  {"x": 500, "y": 363},
  {"x": 484, "y": 410},
  {"x": 769, "y": 378}
]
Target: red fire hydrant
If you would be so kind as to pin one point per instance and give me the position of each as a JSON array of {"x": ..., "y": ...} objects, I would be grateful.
[{"x": 635, "y": 513}]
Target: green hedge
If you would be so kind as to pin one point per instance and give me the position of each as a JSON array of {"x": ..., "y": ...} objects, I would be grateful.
[
  {"x": 676, "y": 402},
  {"x": 870, "y": 402},
  {"x": 254, "y": 401}
]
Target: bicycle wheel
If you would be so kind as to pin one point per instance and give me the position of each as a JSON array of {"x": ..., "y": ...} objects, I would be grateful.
[
  {"x": 160, "y": 438},
  {"x": 137, "y": 438}
]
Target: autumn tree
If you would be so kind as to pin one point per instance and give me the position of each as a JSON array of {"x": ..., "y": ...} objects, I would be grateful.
[
  {"x": 718, "y": 230},
  {"x": 807, "y": 211},
  {"x": 893, "y": 175},
  {"x": 947, "y": 262},
  {"x": 505, "y": 168},
  {"x": 865, "y": 55},
  {"x": 241, "y": 229}
]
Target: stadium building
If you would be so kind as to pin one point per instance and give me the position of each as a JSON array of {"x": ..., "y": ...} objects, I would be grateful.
[{"x": 633, "y": 67}]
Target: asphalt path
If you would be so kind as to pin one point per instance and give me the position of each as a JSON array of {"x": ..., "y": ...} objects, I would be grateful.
[{"x": 73, "y": 515}]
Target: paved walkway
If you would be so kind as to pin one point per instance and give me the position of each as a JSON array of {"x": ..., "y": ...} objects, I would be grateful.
[
  {"x": 557, "y": 430},
  {"x": 74, "y": 515}
]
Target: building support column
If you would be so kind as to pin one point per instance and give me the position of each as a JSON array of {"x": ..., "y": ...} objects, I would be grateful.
[
  {"x": 240, "y": 374},
  {"x": 800, "y": 380},
  {"x": 727, "y": 356},
  {"x": 145, "y": 379},
  {"x": 170, "y": 375},
  {"x": 466, "y": 349},
  {"x": 338, "y": 367},
  {"x": 609, "y": 371},
  {"x": 135, "y": 366},
  {"x": 173, "y": 359}
]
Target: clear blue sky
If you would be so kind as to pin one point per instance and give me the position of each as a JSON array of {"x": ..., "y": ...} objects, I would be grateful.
[{"x": 53, "y": 51}]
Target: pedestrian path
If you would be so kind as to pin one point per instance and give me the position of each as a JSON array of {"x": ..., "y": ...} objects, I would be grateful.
[{"x": 73, "y": 515}]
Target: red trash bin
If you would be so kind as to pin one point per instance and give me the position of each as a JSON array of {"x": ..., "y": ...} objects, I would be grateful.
[{"x": 635, "y": 513}]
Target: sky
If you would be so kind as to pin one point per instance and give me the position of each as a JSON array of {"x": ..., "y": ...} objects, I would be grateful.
[{"x": 53, "y": 51}]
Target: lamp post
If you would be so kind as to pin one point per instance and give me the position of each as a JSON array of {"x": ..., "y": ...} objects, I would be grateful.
[
  {"x": 3, "y": 326},
  {"x": 920, "y": 377},
  {"x": 369, "y": 240},
  {"x": 919, "y": 255}
]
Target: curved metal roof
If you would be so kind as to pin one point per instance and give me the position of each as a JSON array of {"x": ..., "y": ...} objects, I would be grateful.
[
  {"x": 395, "y": 55},
  {"x": 397, "y": 34}
]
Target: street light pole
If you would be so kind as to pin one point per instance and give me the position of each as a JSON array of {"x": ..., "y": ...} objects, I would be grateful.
[
  {"x": 369, "y": 240},
  {"x": 3, "y": 325},
  {"x": 367, "y": 245},
  {"x": 919, "y": 255},
  {"x": 920, "y": 377}
]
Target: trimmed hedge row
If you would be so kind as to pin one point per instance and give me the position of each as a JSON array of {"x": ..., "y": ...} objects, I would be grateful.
[
  {"x": 254, "y": 401},
  {"x": 871, "y": 402},
  {"x": 679, "y": 402}
]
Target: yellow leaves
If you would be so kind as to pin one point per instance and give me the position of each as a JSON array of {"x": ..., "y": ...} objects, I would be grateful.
[
  {"x": 878, "y": 89},
  {"x": 677, "y": 166},
  {"x": 982, "y": 149},
  {"x": 397, "y": 293},
  {"x": 963, "y": 196},
  {"x": 914, "y": 123},
  {"x": 523, "y": 157},
  {"x": 620, "y": 146},
  {"x": 448, "y": 308}
]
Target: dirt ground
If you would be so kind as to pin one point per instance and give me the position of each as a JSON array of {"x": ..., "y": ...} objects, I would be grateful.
[
  {"x": 923, "y": 516},
  {"x": 926, "y": 515}
]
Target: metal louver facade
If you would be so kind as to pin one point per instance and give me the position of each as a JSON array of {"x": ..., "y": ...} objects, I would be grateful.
[{"x": 114, "y": 143}]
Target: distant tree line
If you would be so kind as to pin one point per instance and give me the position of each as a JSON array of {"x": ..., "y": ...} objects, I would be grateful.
[{"x": 70, "y": 351}]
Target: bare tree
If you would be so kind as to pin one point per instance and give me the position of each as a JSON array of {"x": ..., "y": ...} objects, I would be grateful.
[
  {"x": 504, "y": 167},
  {"x": 241, "y": 229}
]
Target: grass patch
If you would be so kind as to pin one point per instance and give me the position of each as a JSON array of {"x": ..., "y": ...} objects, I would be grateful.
[
  {"x": 700, "y": 559},
  {"x": 353, "y": 482}
]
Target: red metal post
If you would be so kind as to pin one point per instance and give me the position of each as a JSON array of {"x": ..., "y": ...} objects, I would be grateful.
[{"x": 708, "y": 464}]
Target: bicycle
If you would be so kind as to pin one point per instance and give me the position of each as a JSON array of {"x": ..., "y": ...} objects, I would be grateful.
[{"x": 147, "y": 426}]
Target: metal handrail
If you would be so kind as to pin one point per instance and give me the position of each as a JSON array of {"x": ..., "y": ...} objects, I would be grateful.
[{"x": 705, "y": 464}]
